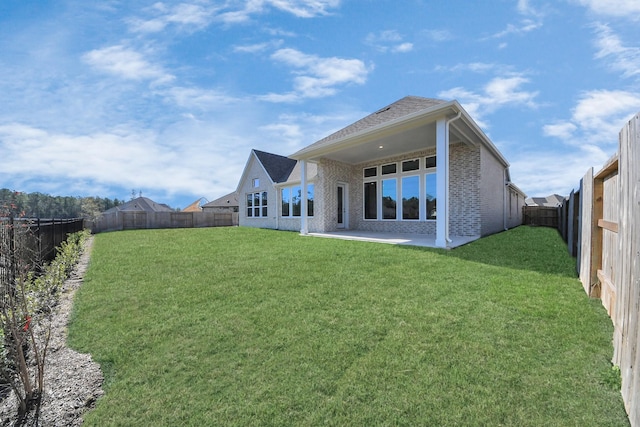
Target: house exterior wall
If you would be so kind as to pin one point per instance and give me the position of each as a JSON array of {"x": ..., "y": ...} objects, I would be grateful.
[
  {"x": 294, "y": 223},
  {"x": 492, "y": 193},
  {"x": 330, "y": 174},
  {"x": 465, "y": 217},
  {"x": 255, "y": 170},
  {"x": 515, "y": 204}
]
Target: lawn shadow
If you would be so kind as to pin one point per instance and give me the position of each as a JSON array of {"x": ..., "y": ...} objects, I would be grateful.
[{"x": 538, "y": 249}]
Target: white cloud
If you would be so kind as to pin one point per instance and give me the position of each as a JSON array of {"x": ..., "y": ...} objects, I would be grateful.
[
  {"x": 258, "y": 47},
  {"x": 476, "y": 67},
  {"x": 185, "y": 16},
  {"x": 620, "y": 8},
  {"x": 497, "y": 93},
  {"x": 388, "y": 41},
  {"x": 241, "y": 11},
  {"x": 596, "y": 121},
  {"x": 562, "y": 171},
  {"x": 563, "y": 130},
  {"x": 203, "y": 99},
  {"x": 438, "y": 35},
  {"x": 523, "y": 27},
  {"x": 305, "y": 8},
  {"x": 126, "y": 63},
  {"x": 403, "y": 48},
  {"x": 619, "y": 57},
  {"x": 317, "y": 77},
  {"x": 532, "y": 20},
  {"x": 188, "y": 158}
]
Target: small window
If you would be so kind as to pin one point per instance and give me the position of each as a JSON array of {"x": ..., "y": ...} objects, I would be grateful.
[
  {"x": 256, "y": 182},
  {"x": 410, "y": 165},
  {"x": 390, "y": 168},
  {"x": 369, "y": 172},
  {"x": 430, "y": 162}
]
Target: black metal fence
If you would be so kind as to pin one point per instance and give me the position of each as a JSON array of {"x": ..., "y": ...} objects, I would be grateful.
[{"x": 32, "y": 241}]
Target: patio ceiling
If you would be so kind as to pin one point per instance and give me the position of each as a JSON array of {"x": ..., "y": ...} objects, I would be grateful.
[{"x": 409, "y": 134}]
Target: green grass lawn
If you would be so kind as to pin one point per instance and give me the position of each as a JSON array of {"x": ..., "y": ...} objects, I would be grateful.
[{"x": 237, "y": 326}]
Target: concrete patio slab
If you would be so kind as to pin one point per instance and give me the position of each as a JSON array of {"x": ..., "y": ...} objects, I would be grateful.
[{"x": 423, "y": 240}]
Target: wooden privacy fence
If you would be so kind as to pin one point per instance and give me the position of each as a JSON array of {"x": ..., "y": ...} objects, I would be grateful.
[
  {"x": 131, "y": 220},
  {"x": 545, "y": 216},
  {"x": 609, "y": 254}
]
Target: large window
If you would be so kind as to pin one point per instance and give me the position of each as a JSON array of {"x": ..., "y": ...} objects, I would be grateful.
[
  {"x": 292, "y": 201},
  {"x": 389, "y": 199},
  {"x": 430, "y": 196},
  {"x": 404, "y": 191},
  {"x": 411, "y": 197},
  {"x": 257, "y": 204},
  {"x": 370, "y": 200}
]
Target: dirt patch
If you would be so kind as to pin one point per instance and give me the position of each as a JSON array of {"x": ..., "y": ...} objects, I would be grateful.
[{"x": 73, "y": 380}]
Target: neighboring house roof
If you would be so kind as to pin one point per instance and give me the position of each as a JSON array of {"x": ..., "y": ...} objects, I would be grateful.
[
  {"x": 194, "y": 207},
  {"x": 277, "y": 167},
  {"x": 142, "y": 204},
  {"x": 553, "y": 200},
  {"x": 228, "y": 200}
]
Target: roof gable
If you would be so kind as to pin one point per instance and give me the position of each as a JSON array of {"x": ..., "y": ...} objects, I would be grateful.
[
  {"x": 277, "y": 167},
  {"x": 403, "y": 107}
]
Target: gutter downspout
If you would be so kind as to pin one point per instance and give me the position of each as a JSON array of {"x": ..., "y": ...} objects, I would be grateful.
[
  {"x": 304, "y": 227},
  {"x": 447, "y": 123},
  {"x": 504, "y": 199}
]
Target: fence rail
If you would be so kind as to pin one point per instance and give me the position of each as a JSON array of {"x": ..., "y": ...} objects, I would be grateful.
[{"x": 132, "y": 220}]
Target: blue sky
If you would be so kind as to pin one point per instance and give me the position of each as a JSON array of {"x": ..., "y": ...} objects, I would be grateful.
[{"x": 168, "y": 98}]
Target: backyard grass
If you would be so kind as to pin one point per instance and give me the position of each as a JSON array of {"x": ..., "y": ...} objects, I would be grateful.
[{"x": 239, "y": 326}]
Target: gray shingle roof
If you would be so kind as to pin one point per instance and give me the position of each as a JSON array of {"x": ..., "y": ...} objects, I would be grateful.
[
  {"x": 400, "y": 108},
  {"x": 227, "y": 200},
  {"x": 278, "y": 167},
  {"x": 141, "y": 204}
]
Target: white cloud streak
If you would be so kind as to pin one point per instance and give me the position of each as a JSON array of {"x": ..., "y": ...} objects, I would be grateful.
[
  {"x": 619, "y": 57},
  {"x": 629, "y": 9},
  {"x": 497, "y": 93},
  {"x": 317, "y": 77},
  {"x": 126, "y": 63},
  {"x": 597, "y": 118},
  {"x": 388, "y": 41},
  {"x": 200, "y": 14}
]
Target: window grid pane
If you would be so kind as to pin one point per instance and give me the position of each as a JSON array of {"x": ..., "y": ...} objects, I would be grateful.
[
  {"x": 370, "y": 200},
  {"x": 430, "y": 197},
  {"x": 389, "y": 199},
  {"x": 411, "y": 197}
]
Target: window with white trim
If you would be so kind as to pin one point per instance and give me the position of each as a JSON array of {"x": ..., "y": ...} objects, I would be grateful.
[
  {"x": 257, "y": 204},
  {"x": 291, "y": 198},
  {"x": 402, "y": 191}
]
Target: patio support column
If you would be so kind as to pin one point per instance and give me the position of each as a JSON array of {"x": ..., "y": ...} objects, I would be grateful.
[
  {"x": 442, "y": 183},
  {"x": 304, "y": 228}
]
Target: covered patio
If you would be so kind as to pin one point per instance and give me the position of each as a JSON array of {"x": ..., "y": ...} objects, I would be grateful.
[{"x": 422, "y": 240}]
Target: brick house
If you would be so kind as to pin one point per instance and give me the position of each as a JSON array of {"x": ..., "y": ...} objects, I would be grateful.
[{"x": 418, "y": 166}]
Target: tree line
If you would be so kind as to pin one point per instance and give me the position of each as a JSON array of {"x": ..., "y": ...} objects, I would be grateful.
[{"x": 39, "y": 205}]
